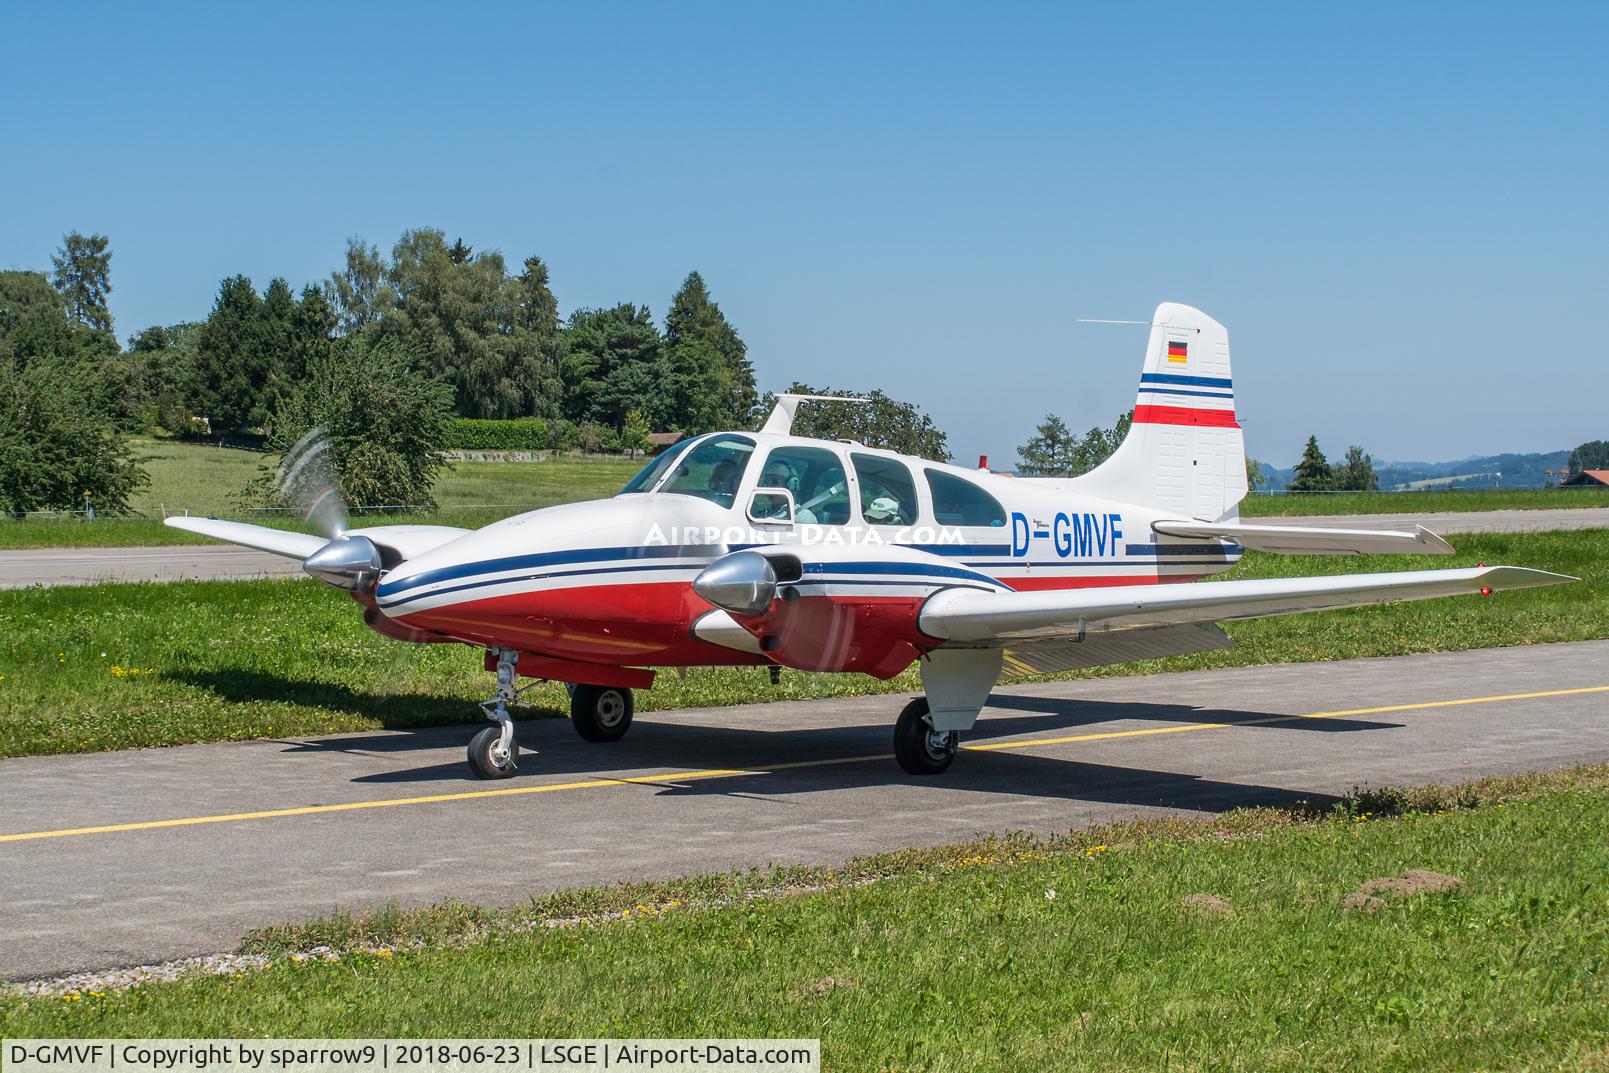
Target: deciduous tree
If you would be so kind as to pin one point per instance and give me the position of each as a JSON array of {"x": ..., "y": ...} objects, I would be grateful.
[
  {"x": 881, "y": 421},
  {"x": 1594, "y": 454},
  {"x": 56, "y": 444},
  {"x": 386, "y": 421},
  {"x": 1356, "y": 473}
]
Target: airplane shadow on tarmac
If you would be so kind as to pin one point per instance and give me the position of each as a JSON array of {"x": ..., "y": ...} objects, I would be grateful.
[{"x": 811, "y": 759}]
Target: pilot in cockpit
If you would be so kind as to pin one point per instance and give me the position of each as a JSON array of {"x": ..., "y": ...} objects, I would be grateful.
[{"x": 723, "y": 482}]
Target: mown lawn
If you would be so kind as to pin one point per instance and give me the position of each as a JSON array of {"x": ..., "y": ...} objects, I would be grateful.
[
  {"x": 117, "y": 666},
  {"x": 1437, "y": 502},
  {"x": 1225, "y": 944},
  {"x": 196, "y": 479}
]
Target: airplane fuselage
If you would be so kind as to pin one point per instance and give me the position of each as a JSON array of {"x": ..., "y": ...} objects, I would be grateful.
[{"x": 609, "y": 583}]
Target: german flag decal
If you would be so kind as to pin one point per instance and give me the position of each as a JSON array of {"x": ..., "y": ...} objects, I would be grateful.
[{"x": 1177, "y": 353}]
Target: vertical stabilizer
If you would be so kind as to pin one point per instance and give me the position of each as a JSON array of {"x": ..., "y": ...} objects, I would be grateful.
[{"x": 1184, "y": 452}]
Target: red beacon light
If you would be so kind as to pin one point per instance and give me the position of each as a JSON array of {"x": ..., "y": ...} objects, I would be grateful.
[{"x": 1486, "y": 590}]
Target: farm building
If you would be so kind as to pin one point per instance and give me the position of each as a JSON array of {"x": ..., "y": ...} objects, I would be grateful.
[{"x": 1587, "y": 478}]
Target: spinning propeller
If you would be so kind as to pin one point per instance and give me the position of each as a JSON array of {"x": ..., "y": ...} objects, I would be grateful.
[{"x": 307, "y": 481}]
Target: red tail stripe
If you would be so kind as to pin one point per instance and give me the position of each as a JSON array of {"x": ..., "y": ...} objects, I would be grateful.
[{"x": 1183, "y": 415}]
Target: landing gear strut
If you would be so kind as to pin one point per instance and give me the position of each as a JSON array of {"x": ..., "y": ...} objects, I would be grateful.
[
  {"x": 920, "y": 749},
  {"x": 601, "y": 713},
  {"x": 493, "y": 753}
]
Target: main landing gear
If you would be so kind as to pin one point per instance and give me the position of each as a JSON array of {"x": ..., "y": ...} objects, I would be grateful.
[
  {"x": 919, "y": 748},
  {"x": 955, "y": 684},
  {"x": 600, "y": 713}
]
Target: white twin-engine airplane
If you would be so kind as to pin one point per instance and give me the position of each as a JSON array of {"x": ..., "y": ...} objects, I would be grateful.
[{"x": 768, "y": 549}]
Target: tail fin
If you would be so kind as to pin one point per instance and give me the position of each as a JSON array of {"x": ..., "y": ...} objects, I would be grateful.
[{"x": 1184, "y": 451}]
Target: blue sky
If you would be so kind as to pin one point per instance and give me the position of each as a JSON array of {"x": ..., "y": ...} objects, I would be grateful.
[{"x": 1397, "y": 210}]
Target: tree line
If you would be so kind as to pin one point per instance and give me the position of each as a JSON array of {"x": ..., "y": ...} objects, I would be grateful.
[
  {"x": 493, "y": 336},
  {"x": 435, "y": 329}
]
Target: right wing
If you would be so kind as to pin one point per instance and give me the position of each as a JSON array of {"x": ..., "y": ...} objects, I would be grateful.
[
  {"x": 405, "y": 541},
  {"x": 988, "y": 619},
  {"x": 278, "y": 541}
]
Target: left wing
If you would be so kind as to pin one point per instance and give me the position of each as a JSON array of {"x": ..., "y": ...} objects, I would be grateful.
[{"x": 990, "y": 619}]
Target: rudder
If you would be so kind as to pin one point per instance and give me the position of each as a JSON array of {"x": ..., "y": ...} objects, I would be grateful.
[{"x": 1184, "y": 452}]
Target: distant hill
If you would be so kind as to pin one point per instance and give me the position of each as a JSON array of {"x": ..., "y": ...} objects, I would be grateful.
[{"x": 1482, "y": 471}]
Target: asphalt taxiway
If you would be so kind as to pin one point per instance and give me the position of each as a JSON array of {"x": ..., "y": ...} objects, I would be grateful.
[{"x": 129, "y": 857}]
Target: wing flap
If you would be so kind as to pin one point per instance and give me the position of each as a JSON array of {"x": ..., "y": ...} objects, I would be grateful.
[
  {"x": 1099, "y": 649},
  {"x": 1309, "y": 540},
  {"x": 974, "y": 616},
  {"x": 261, "y": 537}
]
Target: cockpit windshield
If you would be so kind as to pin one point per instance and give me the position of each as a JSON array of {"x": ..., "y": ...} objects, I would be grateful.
[
  {"x": 713, "y": 469},
  {"x": 649, "y": 475}
]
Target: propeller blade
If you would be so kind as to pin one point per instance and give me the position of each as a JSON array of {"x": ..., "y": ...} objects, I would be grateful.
[{"x": 307, "y": 481}]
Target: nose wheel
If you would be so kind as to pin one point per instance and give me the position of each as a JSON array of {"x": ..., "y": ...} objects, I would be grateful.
[
  {"x": 488, "y": 758},
  {"x": 601, "y": 713},
  {"x": 919, "y": 748},
  {"x": 493, "y": 753}
]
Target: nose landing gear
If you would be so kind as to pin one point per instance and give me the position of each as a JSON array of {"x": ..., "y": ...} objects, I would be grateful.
[{"x": 493, "y": 753}]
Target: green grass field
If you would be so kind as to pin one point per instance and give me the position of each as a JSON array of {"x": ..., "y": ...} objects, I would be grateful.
[
  {"x": 1263, "y": 506},
  {"x": 1232, "y": 943},
  {"x": 198, "y": 479},
  {"x": 118, "y": 666}
]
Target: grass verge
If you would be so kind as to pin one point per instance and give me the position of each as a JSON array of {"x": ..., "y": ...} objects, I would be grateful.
[
  {"x": 1225, "y": 943},
  {"x": 118, "y": 666},
  {"x": 194, "y": 478},
  {"x": 1438, "y": 502}
]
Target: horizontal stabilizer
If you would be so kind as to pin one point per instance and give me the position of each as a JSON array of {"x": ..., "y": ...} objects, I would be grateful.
[
  {"x": 972, "y": 616},
  {"x": 1306, "y": 540},
  {"x": 278, "y": 541}
]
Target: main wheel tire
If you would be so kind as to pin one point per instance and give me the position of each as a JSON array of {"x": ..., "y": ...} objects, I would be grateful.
[
  {"x": 483, "y": 763},
  {"x": 920, "y": 749},
  {"x": 601, "y": 713}
]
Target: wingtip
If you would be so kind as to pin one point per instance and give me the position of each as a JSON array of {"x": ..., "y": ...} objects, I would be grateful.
[
  {"x": 1434, "y": 544},
  {"x": 1524, "y": 577}
]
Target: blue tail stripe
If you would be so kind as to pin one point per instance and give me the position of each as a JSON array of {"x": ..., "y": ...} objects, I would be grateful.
[{"x": 1189, "y": 381}]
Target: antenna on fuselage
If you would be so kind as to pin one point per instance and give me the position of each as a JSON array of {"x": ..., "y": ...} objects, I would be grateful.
[{"x": 781, "y": 419}]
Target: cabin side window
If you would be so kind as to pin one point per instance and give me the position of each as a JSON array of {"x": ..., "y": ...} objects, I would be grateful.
[
  {"x": 816, "y": 478},
  {"x": 887, "y": 493},
  {"x": 960, "y": 502}
]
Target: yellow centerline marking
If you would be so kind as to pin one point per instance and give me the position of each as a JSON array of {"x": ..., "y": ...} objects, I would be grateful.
[
  {"x": 675, "y": 777},
  {"x": 1264, "y": 720}
]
